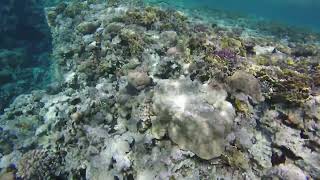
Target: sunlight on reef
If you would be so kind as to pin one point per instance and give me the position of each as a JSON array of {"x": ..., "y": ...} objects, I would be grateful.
[{"x": 149, "y": 92}]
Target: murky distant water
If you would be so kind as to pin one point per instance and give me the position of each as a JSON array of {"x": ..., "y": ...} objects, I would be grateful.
[{"x": 301, "y": 13}]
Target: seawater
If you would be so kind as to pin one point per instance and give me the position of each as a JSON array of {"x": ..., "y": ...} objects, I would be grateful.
[{"x": 299, "y": 13}]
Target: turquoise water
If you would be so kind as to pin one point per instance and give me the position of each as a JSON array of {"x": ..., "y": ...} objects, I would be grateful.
[{"x": 300, "y": 13}]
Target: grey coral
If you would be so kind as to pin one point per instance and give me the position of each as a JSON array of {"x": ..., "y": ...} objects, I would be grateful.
[{"x": 197, "y": 117}]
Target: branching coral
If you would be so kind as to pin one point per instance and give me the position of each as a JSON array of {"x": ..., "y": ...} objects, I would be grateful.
[
  {"x": 95, "y": 69},
  {"x": 145, "y": 18},
  {"x": 132, "y": 40},
  {"x": 149, "y": 16},
  {"x": 74, "y": 8},
  {"x": 226, "y": 54},
  {"x": 316, "y": 77},
  {"x": 286, "y": 85}
]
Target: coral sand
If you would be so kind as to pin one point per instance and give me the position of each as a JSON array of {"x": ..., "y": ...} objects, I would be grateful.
[{"x": 144, "y": 92}]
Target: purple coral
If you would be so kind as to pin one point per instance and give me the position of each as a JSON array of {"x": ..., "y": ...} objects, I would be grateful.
[{"x": 225, "y": 54}]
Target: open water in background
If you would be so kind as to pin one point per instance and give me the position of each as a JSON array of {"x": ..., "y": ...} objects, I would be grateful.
[{"x": 299, "y": 13}]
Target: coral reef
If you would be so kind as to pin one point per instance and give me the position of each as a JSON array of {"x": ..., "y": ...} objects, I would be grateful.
[{"x": 152, "y": 93}]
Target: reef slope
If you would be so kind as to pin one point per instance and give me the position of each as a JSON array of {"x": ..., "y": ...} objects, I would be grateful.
[{"x": 151, "y": 93}]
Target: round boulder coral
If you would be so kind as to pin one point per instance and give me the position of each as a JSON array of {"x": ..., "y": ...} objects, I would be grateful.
[
  {"x": 196, "y": 117},
  {"x": 139, "y": 80}
]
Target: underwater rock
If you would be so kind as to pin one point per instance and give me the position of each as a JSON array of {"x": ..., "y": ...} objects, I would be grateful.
[
  {"x": 304, "y": 51},
  {"x": 304, "y": 157},
  {"x": 173, "y": 51},
  {"x": 247, "y": 84},
  {"x": 115, "y": 158},
  {"x": 114, "y": 28},
  {"x": 5, "y": 76},
  {"x": 169, "y": 38},
  {"x": 53, "y": 88},
  {"x": 88, "y": 27},
  {"x": 76, "y": 117},
  {"x": 287, "y": 172},
  {"x": 51, "y": 17},
  {"x": 7, "y": 175},
  {"x": 312, "y": 108},
  {"x": 261, "y": 151},
  {"x": 167, "y": 68},
  {"x": 139, "y": 80},
  {"x": 196, "y": 116},
  {"x": 12, "y": 58},
  {"x": 259, "y": 50}
]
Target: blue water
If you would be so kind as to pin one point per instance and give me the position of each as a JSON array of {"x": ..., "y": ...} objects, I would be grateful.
[{"x": 299, "y": 13}]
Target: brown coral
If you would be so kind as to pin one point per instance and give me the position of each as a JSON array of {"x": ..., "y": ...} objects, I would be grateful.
[
  {"x": 39, "y": 164},
  {"x": 246, "y": 83},
  {"x": 286, "y": 85}
]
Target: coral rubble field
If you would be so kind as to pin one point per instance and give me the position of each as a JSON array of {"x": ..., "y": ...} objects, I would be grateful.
[{"x": 144, "y": 92}]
